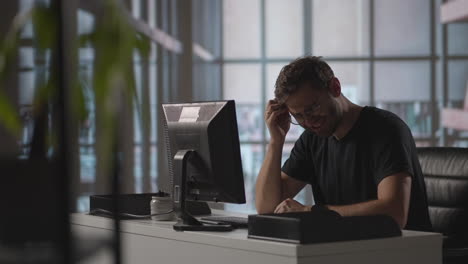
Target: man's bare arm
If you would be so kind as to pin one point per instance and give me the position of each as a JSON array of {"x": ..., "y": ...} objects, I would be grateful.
[
  {"x": 268, "y": 191},
  {"x": 273, "y": 185},
  {"x": 393, "y": 198}
]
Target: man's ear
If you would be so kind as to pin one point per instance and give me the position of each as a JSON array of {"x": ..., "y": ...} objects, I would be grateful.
[{"x": 335, "y": 87}]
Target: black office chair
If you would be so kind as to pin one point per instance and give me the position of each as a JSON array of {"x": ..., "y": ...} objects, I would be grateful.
[{"x": 445, "y": 173}]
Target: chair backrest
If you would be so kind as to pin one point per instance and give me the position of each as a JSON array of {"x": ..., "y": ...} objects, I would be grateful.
[{"x": 445, "y": 173}]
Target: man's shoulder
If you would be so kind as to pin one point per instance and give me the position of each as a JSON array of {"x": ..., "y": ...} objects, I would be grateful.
[
  {"x": 384, "y": 125},
  {"x": 382, "y": 119}
]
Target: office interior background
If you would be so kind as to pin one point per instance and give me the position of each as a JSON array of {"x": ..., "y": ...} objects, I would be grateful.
[{"x": 393, "y": 54}]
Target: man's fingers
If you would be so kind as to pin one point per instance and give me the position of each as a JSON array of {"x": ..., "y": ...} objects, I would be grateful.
[
  {"x": 283, "y": 207},
  {"x": 273, "y": 105},
  {"x": 275, "y": 116},
  {"x": 271, "y": 109},
  {"x": 278, "y": 208},
  {"x": 289, "y": 205}
]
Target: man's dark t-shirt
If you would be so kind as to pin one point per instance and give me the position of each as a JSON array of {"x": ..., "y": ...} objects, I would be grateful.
[{"x": 348, "y": 170}]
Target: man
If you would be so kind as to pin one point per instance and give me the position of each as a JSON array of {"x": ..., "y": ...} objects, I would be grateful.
[{"x": 358, "y": 160}]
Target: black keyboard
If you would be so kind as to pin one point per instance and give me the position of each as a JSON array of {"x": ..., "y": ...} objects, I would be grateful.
[{"x": 235, "y": 221}]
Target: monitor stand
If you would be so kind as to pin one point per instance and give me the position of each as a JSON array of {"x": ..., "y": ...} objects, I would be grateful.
[{"x": 185, "y": 221}]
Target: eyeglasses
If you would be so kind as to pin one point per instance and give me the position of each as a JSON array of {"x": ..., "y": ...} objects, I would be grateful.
[{"x": 299, "y": 118}]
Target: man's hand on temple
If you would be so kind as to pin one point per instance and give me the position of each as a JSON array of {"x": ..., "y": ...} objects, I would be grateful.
[
  {"x": 291, "y": 205},
  {"x": 277, "y": 121}
]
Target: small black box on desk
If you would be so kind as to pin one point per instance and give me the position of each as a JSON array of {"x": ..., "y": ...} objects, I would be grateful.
[{"x": 319, "y": 226}]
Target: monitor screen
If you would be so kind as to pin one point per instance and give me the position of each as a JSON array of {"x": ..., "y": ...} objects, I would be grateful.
[{"x": 205, "y": 152}]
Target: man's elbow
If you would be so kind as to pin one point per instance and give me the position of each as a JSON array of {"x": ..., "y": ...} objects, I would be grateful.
[
  {"x": 264, "y": 211},
  {"x": 263, "y": 208},
  {"x": 400, "y": 216},
  {"x": 401, "y": 221}
]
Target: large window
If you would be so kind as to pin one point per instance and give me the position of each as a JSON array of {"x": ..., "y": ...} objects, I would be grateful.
[
  {"x": 390, "y": 54},
  {"x": 385, "y": 53}
]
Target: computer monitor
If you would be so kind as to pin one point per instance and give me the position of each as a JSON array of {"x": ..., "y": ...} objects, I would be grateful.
[{"x": 204, "y": 155}]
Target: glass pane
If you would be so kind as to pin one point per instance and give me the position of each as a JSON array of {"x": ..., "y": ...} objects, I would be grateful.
[
  {"x": 404, "y": 89},
  {"x": 402, "y": 27},
  {"x": 26, "y": 56},
  {"x": 138, "y": 71},
  {"x": 27, "y": 84},
  {"x": 136, "y": 8},
  {"x": 27, "y": 31},
  {"x": 422, "y": 143},
  {"x": 88, "y": 163},
  {"x": 154, "y": 169},
  {"x": 354, "y": 79},
  {"x": 82, "y": 204},
  {"x": 153, "y": 101},
  {"x": 151, "y": 13},
  {"x": 460, "y": 144},
  {"x": 25, "y": 4},
  {"x": 137, "y": 115},
  {"x": 206, "y": 26},
  {"x": 206, "y": 81},
  {"x": 252, "y": 158},
  {"x": 85, "y": 22},
  {"x": 402, "y": 81},
  {"x": 340, "y": 28},
  {"x": 457, "y": 39},
  {"x": 154, "y": 122},
  {"x": 284, "y": 28},
  {"x": 241, "y": 29},
  {"x": 153, "y": 53},
  {"x": 458, "y": 78},
  {"x": 138, "y": 169},
  {"x": 249, "y": 121},
  {"x": 272, "y": 74},
  {"x": 137, "y": 127},
  {"x": 26, "y": 115},
  {"x": 439, "y": 81},
  {"x": 87, "y": 129},
  {"x": 86, "y": 56},
  {"x": 242, "y": 83}
]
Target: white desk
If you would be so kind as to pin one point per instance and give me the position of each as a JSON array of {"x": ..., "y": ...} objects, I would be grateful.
[{"x": 147, "y": 241}]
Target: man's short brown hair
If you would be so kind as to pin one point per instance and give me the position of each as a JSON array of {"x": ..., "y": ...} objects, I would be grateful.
[{"x": 302, "y": 70}]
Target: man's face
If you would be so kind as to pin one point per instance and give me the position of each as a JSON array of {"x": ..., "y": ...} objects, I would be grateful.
[{"x": 315, "y": 109}]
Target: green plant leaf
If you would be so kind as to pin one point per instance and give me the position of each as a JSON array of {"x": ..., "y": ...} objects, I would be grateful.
[
  {"x": 86, "y": 39},
  {"x": 8, "y": 116},
  {"x": 45, "y": 26},
  {"x": 143, "y": 45},
  {"x": 79, "y": 105},
  {"x": 44, "y": 94}
]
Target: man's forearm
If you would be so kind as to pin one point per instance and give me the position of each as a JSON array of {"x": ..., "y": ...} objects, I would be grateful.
[
  {"x": 268, "y": 186},
  {"x": 373, "y": 207}
]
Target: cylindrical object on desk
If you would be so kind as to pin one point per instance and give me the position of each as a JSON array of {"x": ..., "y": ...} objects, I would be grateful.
[{"x": 160, "y": 206}]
